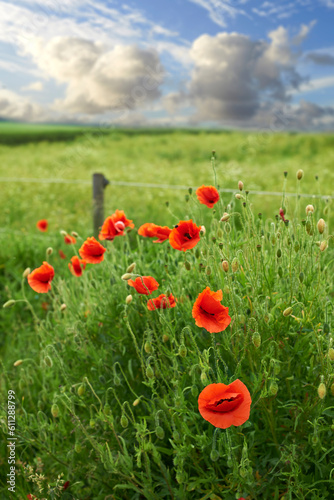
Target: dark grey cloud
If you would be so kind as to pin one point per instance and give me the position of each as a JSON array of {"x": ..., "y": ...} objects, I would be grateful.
[{"x": 320, "y": 58}]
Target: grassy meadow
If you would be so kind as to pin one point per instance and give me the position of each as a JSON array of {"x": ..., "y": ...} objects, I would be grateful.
[{"x": 106, "y": 390}]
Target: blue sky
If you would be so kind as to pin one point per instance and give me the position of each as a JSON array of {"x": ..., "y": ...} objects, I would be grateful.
[{"x": 211, "y": 63}]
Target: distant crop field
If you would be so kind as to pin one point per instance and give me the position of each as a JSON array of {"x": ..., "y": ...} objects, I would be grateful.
[{"x": 175, "y": 157}]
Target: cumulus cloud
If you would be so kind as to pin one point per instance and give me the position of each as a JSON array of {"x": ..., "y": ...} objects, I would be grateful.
[
  {"x": 237, "y": 81},
  {"x": 15, "y": 107},
  {"x": 100, "y": 79},
  {"x": 35, "y": 86}
]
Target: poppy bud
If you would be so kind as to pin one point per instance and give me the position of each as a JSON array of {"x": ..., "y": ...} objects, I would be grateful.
[
  {"x": 48, "y": 361},
  {"x": 309, "y": 209},
  {"x": 321, "y": 225},
  {"x": 75, "y": 234},
  {"x": 49, "y": 251},
  {"x": 300, "y": 174},
  {"x": 128, "y": 300},
  {"x": 55, "y": 410},
  {"x": 190, "y": 190},
  {"x": 197, "y": 253},
  {"x": 287, "y": 311},
  {"x": 77, "y": 448},
  {"x": 204, "y": 377},
  {"x": 183, "y": 351},
  {"x": 322, "y": 390},
  {"x": 240, "y": 185},
  {"x": 238, "y": 196},
  {"x": 214, "y": 455},
  {"x": 332, "y": 389},
  {"x": 63, "y": 307},
  {"x": 136, "y": 402},
  {"x": 81, "y": 390},
  {"x": 202, "y": 231},
  {"x": 225, "y": 265},
  {"x": 149, "y": 372},
  {"x": 258, "y": 247},
  {"x": 148, "y": 347},
  {"x": 26, "y": 272},
  {"x": 326, "y": 328},
  {"x": 301, "y": 277},
  {"x": 167, "y": 204},
  {"x": 208, "y": 270},
  {"x": 165, "y": 338},
  {"x": 107, "y": 409},
  {"x": 176, "y": 436},
  {"x": 9, "y": 303},
  {"x": 273, "y": 239},
  {"x": 92, "y": 423},
  {"x": 131, "y": 268},
  {"x": 331, "y": 353},
  {"x": 117, "y": 380},
  {"x": 273, "y": 388},
  {"x": 256, "y": 339},
  {"x": 297, "y": 246},
  {"x": 279, "y": 253},
  {"x": 186, "y": 197},
  {"x": 235, "y": 265},
  {"x": 126, "y": 276},
  {"x": 187, "y": 265},
  {"x": 323, "y": 245},
  {"x": 63, "y": 233},
  {"x": 124, "y": 421},
  {"x": 18, "y": 362},
  {"x": 225, "y": 217},
  {"x": 194, "y": 390},
  {"x": 160, "y": 433}
]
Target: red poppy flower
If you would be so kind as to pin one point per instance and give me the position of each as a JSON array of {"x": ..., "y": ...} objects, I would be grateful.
[
  {"x": 69, "y": 240},
  {"x": 144, "y": 284},
  {"x": 209, "y": 313},
  {"x": 161, "y": 302},
  {"x": 66, "y": 485},
  {"x": 40, "y": 279},
  {"x": 207, "y": 195},
  {"x": 61, "y": 254},
  {"x": 76, "y": 266},
  {"x": 92, "y": 251},
  {"x": 150, "y": 230},
  {"x": 281, "y": 214},
  {"x": 42, "y": 225},
  {"x": 114, "y": 226},
  {"x": 185, "y": 235},
  {"x": 225, "y": 405}
]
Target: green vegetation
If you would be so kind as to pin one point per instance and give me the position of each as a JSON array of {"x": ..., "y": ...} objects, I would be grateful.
[{"x": 107, "y": 392}]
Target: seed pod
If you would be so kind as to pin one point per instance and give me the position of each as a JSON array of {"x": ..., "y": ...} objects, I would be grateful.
[
  {"x": 81, "y": 390},
  {"x": 322, "y": 390},
  {"x": 187, "y": 265},
  {"x": 323, "y": 245},
  {"x": 126, "y": 276},
  {"x": 309, "y": 209},
  {"x": 55, "y": 410},
  {"x": 183, "y": 351},
  {"x": 190, "y": 190},
  {"x": 300, "y": 174},
  {"x": 149, "y": 372},
  {"x": 214, "y": 455},
  {"x": 124, "y": 421},
  {"x": 160, "y": 433},
  {"x": 131, "y": 267},
  {"x": 9, "y": 303},
  {"x": 331, "y": 353},
  {"x": 321, "y": 225},
  {"x": 235, "y": 265},
  {"x": 240, "y": 185},
  {"x": 287, "y": 311},
  {"x": 148, "y": 347},
  {"x": 256, "y": 339},
  {"x": 128, "y": 299},
  {"x": 273, "y": 388},
  {"x": 26, "y": 272}
]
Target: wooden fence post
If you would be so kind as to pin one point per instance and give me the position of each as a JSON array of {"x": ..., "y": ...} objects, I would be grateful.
[{"x": 99, "y": 183}]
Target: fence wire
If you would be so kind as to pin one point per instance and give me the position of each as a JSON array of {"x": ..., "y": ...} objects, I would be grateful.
[{"x": 157, "y": 186}]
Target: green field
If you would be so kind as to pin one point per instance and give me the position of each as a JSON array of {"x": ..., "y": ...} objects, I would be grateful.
[{"x": 106, "y": 392}]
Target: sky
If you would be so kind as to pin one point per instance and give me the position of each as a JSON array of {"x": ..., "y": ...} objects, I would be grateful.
[{"x": 265, "y": 65}]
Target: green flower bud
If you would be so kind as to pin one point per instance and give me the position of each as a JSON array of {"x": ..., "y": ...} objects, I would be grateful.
[
  {"x": 160, "y": 433},
  {"x": 55, "y": 410},
  {"x": 124, "y": 421},
  {"x": 149, "y": 372},
  {"x": 214, "y": 455},
  {"x": 148, "y": 347},
  {"x": 183, "y": 351},
  {"x": 256, "y": 339},
  {"x": 273, "y": 388}
]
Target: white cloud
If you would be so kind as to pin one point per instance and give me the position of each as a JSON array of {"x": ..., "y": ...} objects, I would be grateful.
[
  {"x": 220, "y": 10},
  {"x": 36, "y": 86},
  {"x": 16, "y": 107},
  {"x": 100, "y": 79}
]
